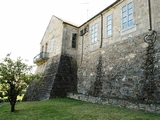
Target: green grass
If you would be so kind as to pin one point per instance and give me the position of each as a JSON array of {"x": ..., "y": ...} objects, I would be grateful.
[{"x": 69, "y": 109}]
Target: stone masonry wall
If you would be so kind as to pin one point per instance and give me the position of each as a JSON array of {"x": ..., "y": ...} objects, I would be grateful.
[
  {"x": 53, "y": 33},
  {"x": 40, "y": 89},
  {"x": 119, "y": 71},
  {"x": 154, "y": 108},
  {"x": 60, "y": 77},
  {"x": 66, "y": 77}
]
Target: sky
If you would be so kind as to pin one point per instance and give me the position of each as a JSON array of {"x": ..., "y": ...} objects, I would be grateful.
[{"x": 24, "y": 22}]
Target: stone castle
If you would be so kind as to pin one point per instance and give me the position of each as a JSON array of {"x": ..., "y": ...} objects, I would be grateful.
[{"x": 113, "y": 58}]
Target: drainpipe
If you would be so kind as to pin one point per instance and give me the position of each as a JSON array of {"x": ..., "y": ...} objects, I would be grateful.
[
  {"x": 150, "y": 17},
  {"x": 82, "y": 49},
  {"x": 101, "y": 31},
  {"x": 150, "y": 38}
]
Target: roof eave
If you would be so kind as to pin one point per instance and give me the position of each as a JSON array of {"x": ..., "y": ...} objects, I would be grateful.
[{"x": 100, "y": 12}]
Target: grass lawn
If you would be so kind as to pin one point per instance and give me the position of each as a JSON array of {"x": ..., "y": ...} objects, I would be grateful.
[{"x": 69, "y": 109}]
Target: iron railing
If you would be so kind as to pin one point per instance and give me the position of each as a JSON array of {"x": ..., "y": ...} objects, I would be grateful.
[{"x": 41, "y": 56}]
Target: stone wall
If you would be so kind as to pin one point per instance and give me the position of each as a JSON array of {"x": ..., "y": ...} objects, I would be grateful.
[
  {"x": 60, "y": 77},
  {"x": 116, "y": 69},
  {"x": 40, "y": 89},
  {"x": 66, "y": 77},
  {"x": 136, "y": 105},
  {"x": 68, "y": 30},
  {"x": 53, "y": 32},
  {"x": 119, "y": 70}
]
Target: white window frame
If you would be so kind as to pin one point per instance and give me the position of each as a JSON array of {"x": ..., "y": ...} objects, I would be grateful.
[
  {"x": 109, "y": 25},
  {"x": 127, "y": 16},
  {"x": 94, "y": 33},
  {"x": 52, "y": 45}
]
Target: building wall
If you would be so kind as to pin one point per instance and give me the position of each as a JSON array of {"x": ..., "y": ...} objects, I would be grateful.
[
  {"x": 67, "y": 40},
  {"x": 119, "y": 34},
  {"x": 118, "y": 69},
  {"x": 60, "y": 69},
  {"x": 113, "y": 67},
  {"x": 155, "y": 14},
  {"x": 53, "y": 32},
  {"x": 141, "y": 25}
]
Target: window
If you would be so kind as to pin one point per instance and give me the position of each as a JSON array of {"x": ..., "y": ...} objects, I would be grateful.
[
  {"x": 81, "y": 33},
  {"x": 42, "y": 49},
  {"x": 94, "y": 33},
  {"x": 127, "y": 15},
  {"x": 109, "y": 25},
  {"x": 74, "y": 36},
  {"x": 46, "y": 47},
  {"x": 52, "y": 45},
  {"x": 85, "y": 29},
  {"x": 51, "y": 27}
]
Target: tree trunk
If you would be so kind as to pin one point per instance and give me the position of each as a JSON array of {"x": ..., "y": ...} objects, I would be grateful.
[
  {"x": 13, "y": 108},
  {"x": 12, "y": 96},
  {"x": 12, "y": 103}
]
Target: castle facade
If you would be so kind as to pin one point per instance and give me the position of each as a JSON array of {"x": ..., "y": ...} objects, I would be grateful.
[{"x": 113, "y": 55}]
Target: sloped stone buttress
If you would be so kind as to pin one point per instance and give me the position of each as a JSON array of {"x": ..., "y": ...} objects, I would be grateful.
[
  {"x": 40, "y": 89},
  {"x": 60, "y": 77}
]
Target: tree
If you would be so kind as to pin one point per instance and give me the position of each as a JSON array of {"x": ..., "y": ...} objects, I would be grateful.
[{"x": 14, "y": 77}]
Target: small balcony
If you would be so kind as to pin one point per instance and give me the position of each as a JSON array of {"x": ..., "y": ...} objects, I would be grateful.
[{"x": 41, "y": 58}]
